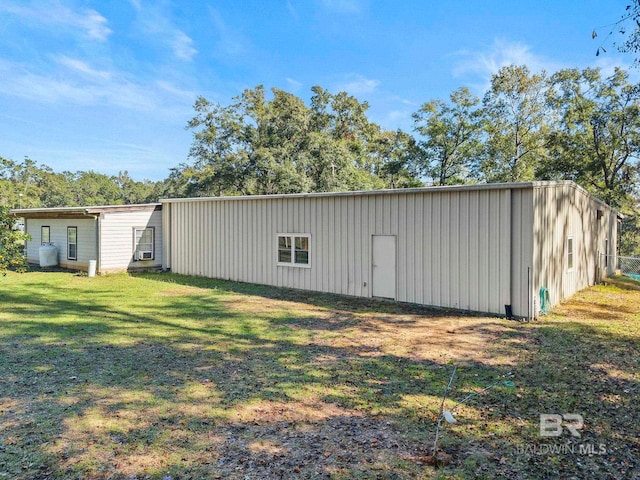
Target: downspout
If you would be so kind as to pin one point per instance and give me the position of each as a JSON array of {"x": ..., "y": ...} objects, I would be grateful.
[
  {"x": 98, "y": 219},
  {"x": 508, "y": 308},
  {"x": 166, "y": 236}
]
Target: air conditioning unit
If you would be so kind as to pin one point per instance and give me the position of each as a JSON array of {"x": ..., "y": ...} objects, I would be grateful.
[{"x": 144, "y": 255}]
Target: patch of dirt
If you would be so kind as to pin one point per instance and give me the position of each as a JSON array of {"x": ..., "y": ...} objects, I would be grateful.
[
  {"x": 415, "y": 337},
  {"x": 311, "y": 450}
]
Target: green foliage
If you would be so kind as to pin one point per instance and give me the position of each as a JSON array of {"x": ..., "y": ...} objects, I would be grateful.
[
  {"x": 572, "y": 125},
  {"x": 515, "y": 125},
  {"x": 27, "y": 185},
  {"x": 280, "y": 145},
  {"x": 452, "y": 134},
  {"x": 12, "y": 243},
  {"x": 597, "y": 141}
]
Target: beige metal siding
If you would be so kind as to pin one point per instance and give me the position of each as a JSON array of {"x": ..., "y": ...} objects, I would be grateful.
[
  {"x": 87, "y": 244},
  {"x": 453, "y": 246},
  {"x": 117, "y": 241},
  {"x": 166, "y": 236},
  {"x": 564, "y": 211},
  {"x": 522, "y": 221}
]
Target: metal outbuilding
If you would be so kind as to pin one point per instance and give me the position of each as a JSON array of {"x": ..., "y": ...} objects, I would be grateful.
[{"x": 485, "y": 248}]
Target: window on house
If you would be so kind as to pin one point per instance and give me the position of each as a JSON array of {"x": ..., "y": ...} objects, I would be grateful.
[
  {"x": 45, "y": 235},
  {"x": 570, "y": 253},
  {"x": 606, "y": 252},
  {"x": 143, "y": 240},
  {"x": 72, "y": 243},
  {"x": 293, "y": 249}
]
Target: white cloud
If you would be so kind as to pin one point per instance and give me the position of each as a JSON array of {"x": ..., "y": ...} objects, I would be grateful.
[
  {"x": 608, "y": 65},
  {"x": 53, "y": 14},
  {"x": 82, "y": 67},
  {"x": 159, "y": 27},
  {"x": 176, "y": 91},
  {"x": 478, "y": 66},
  {"x": 230, "y": 42},
  {"x": 356, "y": 84},
  {"x": 294, "y": 84},
  {"x": 395, "y": 117},
  {"x": 501, "y": 53},
  {"x": 182, "y": 46},
  {"x": 76, "y": 82}
]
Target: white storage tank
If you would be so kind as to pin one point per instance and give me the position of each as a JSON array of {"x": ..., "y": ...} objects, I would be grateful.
[{"x": 48, "y": 255}]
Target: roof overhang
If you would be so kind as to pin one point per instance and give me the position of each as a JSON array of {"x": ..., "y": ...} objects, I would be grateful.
[{"x": 81, "y": 212}]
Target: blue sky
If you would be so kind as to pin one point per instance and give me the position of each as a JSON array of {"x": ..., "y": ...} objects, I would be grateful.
[{"x": 110, "y": 85}]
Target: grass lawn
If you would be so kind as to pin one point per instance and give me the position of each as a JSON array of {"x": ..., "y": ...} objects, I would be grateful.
[{"x": 171, "y": 377}]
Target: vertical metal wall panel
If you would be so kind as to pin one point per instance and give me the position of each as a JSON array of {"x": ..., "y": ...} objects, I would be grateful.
[
  {"x": 522, "y": 225},
  {"x": 436, "y": 251},
  {"x": 465, "y": 241},
  {"x": 458, "y": 248},
  {"x": 166, "y": 236},
  {"x": 418, "y": 260},
  {"x": 564, "y": 211}
]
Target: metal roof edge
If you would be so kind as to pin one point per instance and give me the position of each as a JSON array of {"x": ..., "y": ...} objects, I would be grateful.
[
  {"x": 580, "y": 189},
  {"x": 84, "y": 210},
  {"x": 395, "y": 191}
]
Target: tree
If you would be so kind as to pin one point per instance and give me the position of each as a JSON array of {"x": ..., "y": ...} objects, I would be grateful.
[
  {"x": 627, "y": 25},
  {"x": 92, "y": 188},
  {"x": 134, "y": 192},
  {"x": 398, "y": 151},
  {"x": 451, "y": 134},
  {"x": 11, "y": 244},
  {"x": 515, "y": 124},
  {"x": 597, "y": 143},
  {"x": 258, "y": 145}
]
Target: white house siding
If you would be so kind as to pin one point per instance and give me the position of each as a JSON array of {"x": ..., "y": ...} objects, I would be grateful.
[
  {"x": 562, "y": 211},
  {"x": 86, "y": 250},
  {"x": 453, "y": 245},
  {"x": 117, "y": 241}
]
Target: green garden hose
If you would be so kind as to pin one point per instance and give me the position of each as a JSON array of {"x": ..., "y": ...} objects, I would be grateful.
[{"x": 544, "y": 300}]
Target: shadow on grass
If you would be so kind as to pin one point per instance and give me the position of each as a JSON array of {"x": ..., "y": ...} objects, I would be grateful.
[
  {"x": 97, "y": 387},
  {"x": 624, "y": 282},
  {"x": 93, "y": 383},
  {"x": 331, "y": 301},
  {"x": 580, "y": 361}
]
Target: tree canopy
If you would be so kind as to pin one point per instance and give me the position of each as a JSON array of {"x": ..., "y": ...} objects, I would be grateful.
[
  {"x": 260, "y": 145},
  {"x": 573, "y": 124}
]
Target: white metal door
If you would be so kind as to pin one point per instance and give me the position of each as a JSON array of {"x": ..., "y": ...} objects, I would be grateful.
[{"x": 384, "y": 266}]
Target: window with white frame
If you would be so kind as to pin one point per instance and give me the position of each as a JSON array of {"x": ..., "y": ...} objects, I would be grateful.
[
  {"x": 294, "y": 249},
  {"x": 143, "y": 241},
  {"x": 45, "y": 235},
  {"x": 570, "y": 253},
  {"x": 72, "y": 243}
]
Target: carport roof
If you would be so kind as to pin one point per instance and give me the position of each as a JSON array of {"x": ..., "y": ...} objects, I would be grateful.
[{"x": 80, "y": 212}]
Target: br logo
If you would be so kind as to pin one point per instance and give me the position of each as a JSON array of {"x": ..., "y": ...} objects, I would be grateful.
[{"x": 551, "y": 424}]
